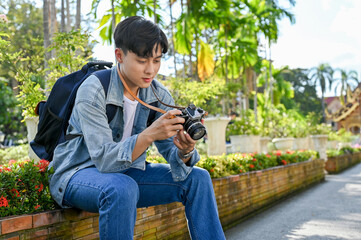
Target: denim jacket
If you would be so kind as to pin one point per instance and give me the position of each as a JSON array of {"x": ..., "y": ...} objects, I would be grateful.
[{"x": 99, "y": 144}]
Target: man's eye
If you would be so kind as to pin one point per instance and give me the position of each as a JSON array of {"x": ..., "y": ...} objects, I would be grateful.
[
  {"x": 156, "y": 61},
  {"x": 140, "y": 61}
]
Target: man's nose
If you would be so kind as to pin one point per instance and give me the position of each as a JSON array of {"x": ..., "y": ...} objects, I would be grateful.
[{"x": 149, "y": 68}]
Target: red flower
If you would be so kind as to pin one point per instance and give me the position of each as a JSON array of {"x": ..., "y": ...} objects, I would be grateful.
[
  {"x": 251, "y": 154},
  {"x": 11, "y": 162},
  {"x": 36, "y": 207},
  {"x": 254, "y": 160},
  {"x": 15, "y": 192},
  {"x": 251, "y": 166},
  {"x": 42, "y": 165},
  {"x": 240, "y": 170},
  {"x": 284, "y": 162},
  {"x": 39, "y": 188},
  {"x": 278, "y": 153},
  {"x": 3, "y": 202},
  {"x": 212, "y": 170},
  {"x": 267, "y": 155}
]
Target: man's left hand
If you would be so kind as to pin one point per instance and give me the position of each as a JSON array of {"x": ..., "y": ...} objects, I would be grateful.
[{"x": 184, "y": 143}]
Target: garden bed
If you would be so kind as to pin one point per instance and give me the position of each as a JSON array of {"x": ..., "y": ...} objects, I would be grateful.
[
  {"x": 238, "y": 196},
  {"x": 336, "y": 164}
]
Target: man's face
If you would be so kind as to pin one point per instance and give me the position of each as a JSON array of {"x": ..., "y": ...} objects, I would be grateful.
[{"x": 138, "y": 72}]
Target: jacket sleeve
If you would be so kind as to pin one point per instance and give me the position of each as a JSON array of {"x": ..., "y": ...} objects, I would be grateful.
[{"x": 169, "y": 151}]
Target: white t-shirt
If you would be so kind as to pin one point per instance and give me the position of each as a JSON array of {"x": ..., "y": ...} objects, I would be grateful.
[{"x": 129, "y": 108}]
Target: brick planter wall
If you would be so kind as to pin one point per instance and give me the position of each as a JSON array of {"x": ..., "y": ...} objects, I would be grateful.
[
  {"x": 237, "y": 196},
  {"x": 340, "y": 163}
]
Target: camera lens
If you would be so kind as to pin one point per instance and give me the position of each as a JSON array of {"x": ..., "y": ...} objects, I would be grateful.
[{"x": 196, "y": 131}]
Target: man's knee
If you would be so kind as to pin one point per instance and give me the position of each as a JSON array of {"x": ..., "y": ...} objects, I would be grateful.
[
  {"x": 122, "y": 190},
  {"x": 201, "y": 176}
]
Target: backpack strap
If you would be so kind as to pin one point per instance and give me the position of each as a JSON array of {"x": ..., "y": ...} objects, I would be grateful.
[{"x": 104, "y": 77}]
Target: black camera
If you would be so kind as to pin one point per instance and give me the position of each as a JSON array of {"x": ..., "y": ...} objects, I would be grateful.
[{"x": 192, "y": 124}]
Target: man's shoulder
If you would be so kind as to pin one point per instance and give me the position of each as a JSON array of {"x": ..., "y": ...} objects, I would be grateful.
[{"x": 90, "y": 86}]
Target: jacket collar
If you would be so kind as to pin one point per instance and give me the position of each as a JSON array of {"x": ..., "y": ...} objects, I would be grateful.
[{"x": 116, "y": 91}]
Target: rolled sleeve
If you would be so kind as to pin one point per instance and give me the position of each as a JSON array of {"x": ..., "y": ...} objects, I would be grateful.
[{"x": 169, "y": 151}]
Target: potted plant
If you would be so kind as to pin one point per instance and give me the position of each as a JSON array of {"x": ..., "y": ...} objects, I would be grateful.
[
  {"x": 280, "y": 131},
  {"x": 319, "y": 136},
  {"x": 300, "y": 132},
  {"x": 244, "y": 133}
]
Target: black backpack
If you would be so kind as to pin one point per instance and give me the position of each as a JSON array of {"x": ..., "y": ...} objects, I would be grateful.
[{"x": 54, "y": 113}]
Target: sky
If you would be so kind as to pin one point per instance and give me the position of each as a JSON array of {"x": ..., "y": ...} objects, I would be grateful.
[{"x": 325, "y": 31}]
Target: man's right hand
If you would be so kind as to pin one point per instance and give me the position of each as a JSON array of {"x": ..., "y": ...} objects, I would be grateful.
[{"x": 164, "y": 127}]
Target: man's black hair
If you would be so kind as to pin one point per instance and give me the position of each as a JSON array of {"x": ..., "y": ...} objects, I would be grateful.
[{"x": 140, "y": 36}]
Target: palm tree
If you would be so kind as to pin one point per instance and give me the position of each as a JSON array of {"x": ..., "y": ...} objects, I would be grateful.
[
  {"x": 345, "y": 81},
  {"x": 320, "y": 76},
  {"x": 266, "y": 14}
]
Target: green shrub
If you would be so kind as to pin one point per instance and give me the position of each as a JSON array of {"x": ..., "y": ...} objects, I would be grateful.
[
  {"x": 342, "y": 151},
  {"x": 232, "y": 164},
  {"x": 24, "y": 188},
  {"x": 244, "y": 125}
]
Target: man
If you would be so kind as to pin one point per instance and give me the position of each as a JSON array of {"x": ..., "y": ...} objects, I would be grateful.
[{"x": 104, "y": 170}]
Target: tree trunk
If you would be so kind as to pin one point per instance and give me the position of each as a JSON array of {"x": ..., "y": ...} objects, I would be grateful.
[
  {"x": 226, "y": 99},
  {"x": 62, "y": 25},
  {"x": 197, "y": 51},
  {"x": 68, "y": 22},
  {"x": 172, "y": 36},
  {"x": 190, "y": 66},
  {"x": 184, "y": 60},
  {"x": 323, "y": 108},
  {"x": 226, "y": 49},
  {"x": 255, "y": 103},
  {"x": 46, "y": 30},
  {"x": 46, "y": 35},
  {"x": 270, "y": 75},
  {"x": 78, "y": 15},
  {"x": 53, "y": 28}
]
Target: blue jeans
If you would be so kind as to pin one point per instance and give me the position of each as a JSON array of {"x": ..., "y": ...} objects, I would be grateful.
[{"x": 116, "y": 197}]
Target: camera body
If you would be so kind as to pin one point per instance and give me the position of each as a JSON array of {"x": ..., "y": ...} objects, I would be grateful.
[{"x": 192, "y": 124}]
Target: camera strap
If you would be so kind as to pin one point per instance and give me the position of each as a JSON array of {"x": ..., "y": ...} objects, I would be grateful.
[{"x": 140, "y": 101}]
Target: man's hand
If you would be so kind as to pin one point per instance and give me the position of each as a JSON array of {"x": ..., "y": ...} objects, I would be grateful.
[
  {"x": 168, "y": 125},
  {"x": 184, "y": 143},
  {"x": 164, "y": 127}
]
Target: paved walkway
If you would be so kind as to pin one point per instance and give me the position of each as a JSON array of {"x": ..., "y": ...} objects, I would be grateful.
[{"x": 329, "y": 210}]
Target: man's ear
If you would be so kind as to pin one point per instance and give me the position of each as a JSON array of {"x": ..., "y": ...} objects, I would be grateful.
[{"x": 119, "y": 55}]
